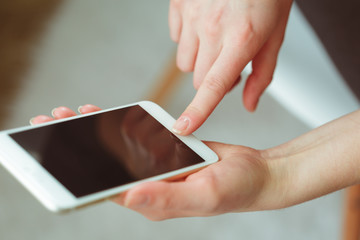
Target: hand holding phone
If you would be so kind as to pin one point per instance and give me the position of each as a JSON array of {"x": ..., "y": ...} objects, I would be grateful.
[
  {"x": 233, "y": 184},
  {"x": 246, "y": 179},
  {"x": 76, "y": 161}
]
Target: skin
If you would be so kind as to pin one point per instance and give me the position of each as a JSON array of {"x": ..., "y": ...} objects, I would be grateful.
[
  {"x": 319, "y": 162},
  {"x": 216, "y": 40}
]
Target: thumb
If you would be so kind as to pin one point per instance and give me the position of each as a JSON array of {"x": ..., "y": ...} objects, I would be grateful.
[{"x": 163, "y": 200}]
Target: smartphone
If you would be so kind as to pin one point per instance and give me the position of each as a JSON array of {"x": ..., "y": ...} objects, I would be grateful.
[{"x": 74, "y": 162}]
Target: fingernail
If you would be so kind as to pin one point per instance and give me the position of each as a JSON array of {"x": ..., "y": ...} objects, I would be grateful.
[
  {"x": 31, "y": 121},
  {"x": 181, "y": 125},
  {"x": 138, "y": 202},
  {"x": 79, "y": 108},
  {"x": 53, "y": 112}
]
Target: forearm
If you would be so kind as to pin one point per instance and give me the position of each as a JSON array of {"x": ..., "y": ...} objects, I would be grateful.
[{"x": 322, "y": 161}]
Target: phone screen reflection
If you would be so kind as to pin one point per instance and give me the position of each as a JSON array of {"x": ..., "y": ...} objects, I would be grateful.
[{"x": 106, "y": 150}]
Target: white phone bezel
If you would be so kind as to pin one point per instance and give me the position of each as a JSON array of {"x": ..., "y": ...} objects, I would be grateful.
[{"x": 53, "y": 195}]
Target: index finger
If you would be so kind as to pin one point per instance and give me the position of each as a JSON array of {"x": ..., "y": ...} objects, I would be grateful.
[{"x": 218, "y": 81}]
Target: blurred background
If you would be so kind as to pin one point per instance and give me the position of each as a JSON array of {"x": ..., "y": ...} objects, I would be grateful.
[{"x": 110, "y": 53}]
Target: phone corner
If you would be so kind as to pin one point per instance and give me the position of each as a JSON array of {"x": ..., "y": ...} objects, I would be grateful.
[{"x": 149, "y": 104}]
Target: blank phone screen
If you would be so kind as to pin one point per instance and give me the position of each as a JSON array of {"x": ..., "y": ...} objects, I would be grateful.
[{"x": 102, "y": 151}]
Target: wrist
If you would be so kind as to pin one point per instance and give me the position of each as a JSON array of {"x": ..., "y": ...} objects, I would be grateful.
[
  {"x": 319, "y": 162},
  {"x": 275, "y": 190}
]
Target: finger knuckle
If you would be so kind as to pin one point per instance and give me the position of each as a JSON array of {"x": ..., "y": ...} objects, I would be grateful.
[
  {"x": 211, "y": 30},
  {"x": 245, "y": 34},
  {"x": 212, "y": 25},
  {"x": 192, "y": 11},
  {"x": 217, "y": 86}
]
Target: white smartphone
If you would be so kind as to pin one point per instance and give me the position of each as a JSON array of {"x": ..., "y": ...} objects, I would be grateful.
[{"x": 77, "y": 161}]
